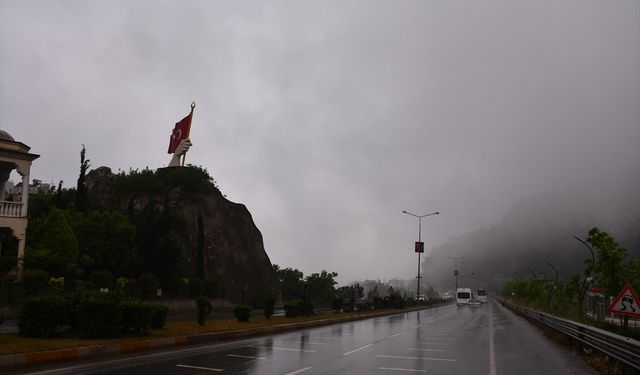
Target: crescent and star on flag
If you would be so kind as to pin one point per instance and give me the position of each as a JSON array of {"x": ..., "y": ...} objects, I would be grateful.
[{"x": 179, "y": 142}]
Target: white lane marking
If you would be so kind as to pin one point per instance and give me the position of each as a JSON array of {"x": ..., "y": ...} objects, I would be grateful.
[
  {"x": 492, "y": 352},
  {"x": 424, "y": 358},
  {"x": 286, "y": 349},
  {"x": 357, "y": 349},
  {"x": 244, "y": 356},
  {"x": 298, "y": 371},
  {"x": 201, "y": 368},
  {"x": 400, "y": 369},
  {"x": 418, "y": 326},
  {"x": 433, "y": 343},
  {"x": 396, "y": 334},
  {"x": 428, "y": 350}
]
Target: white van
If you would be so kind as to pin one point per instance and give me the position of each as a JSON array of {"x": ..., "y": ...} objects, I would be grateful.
[
  {"x": 463, "y": 295},
  {"x": 482, "y": 295}
]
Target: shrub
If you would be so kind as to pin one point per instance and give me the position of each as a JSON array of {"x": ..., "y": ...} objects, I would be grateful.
[
  {"x": 242, "y": 312},
  {"x": 148, "y": 284},
  {"x": 159, "y": 316},
  {"x": 204, "y": 309},
  {"x": 101, "y": 279},
  {"x": 267, "y": 309},
  {"x": 99, "y": 315},
  {"x": 136, "y": 317},
  {"x": 337, "y": 304},
  {"x": 292, "y": 308},
  {"x": 378, "y": 303},
  {"x": 306, "y": 307},
  {"x": 35, "y": 282},
  {"x": 41, "y": 316}
]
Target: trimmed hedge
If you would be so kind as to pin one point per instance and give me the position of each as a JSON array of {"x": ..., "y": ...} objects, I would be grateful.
[
  {"x": 89, "y": 314},
  {"x": 159, "y": 316},
  {"x": 269, "y": 304},
  {"x": 99, "y": 315},
  {"x": 292, "y": 308},
  {"x": 242, "y": 312},
  {"x": 41, "y": 316},
  {"x": 136, "y": 317}
]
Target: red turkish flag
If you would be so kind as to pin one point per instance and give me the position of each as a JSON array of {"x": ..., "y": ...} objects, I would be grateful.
[{"x": 180, "y": 132}]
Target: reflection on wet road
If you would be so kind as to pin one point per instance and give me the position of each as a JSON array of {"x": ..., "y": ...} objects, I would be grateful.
[{"x": 485, "y": 339}]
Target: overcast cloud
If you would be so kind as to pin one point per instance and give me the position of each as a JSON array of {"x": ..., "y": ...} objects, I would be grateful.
[{"x": 328, "y": 118}]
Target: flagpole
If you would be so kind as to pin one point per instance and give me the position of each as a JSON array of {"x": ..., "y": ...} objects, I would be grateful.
[{"x": 193, "y": 105}]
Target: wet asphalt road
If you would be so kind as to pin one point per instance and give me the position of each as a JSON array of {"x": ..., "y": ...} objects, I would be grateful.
[{"x": 485, "y": 339}]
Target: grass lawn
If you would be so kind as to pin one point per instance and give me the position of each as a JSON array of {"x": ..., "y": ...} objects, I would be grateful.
[{"x": 13, "y": 343}]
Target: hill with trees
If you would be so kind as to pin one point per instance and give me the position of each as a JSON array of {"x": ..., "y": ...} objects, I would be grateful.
[{"x": 171, "y": 229}]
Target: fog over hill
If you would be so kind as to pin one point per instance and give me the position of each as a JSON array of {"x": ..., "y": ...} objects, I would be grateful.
[{"x": 539, "y": 230}]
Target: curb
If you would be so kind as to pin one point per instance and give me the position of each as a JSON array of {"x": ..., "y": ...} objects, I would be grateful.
[{"x": 16, "y": 361}]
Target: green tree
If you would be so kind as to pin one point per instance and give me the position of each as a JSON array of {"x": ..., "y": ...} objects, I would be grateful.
[
  {"x": 81, "y": 192},
  {"x": 291, "y": 282},
  {"x": 609, "y": 269},
  {"x": 321, "y": 287},
  {"x": 160, "y": 252},
  {"x": 109, "y": 239},
  {"x": 55, "y": 247},
  {"x": 200, "y": 248}
]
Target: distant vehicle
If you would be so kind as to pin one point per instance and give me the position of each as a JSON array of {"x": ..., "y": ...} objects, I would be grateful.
[
  {"x": 446, "y": 295},
  {"x": 474, "y": 302},
  {"x": 482, "y": 295},
  {"x": 463, "y": 295}
]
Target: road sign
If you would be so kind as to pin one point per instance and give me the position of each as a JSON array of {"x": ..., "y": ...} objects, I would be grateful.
[
  {"x": 626, "y": 303},
  {"x": 419, "y": 247}
]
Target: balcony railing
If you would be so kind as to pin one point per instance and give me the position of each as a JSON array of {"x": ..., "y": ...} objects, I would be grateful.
[{"x": 10, "y": 209}]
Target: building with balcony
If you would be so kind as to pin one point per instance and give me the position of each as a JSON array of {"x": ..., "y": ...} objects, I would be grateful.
[{"x": 15, "y": 155}]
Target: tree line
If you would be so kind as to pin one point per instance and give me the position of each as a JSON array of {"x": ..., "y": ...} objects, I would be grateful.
[
  {"x": 70, "y": 244},
  {"x": 605, "y": 273}
]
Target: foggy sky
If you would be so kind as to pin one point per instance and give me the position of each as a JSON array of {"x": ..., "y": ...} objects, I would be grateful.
[{"x": 328, "y": 118}]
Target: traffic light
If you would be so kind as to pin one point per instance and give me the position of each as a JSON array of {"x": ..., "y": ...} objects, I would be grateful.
[{"x": 419, "y": 247}]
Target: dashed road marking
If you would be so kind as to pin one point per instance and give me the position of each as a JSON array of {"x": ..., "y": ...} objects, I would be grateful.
[
  {"x": 298, "y": 371},
  {"x": 285, "y": 349},
  {"x": 201, "y": 368},
  {"x": 357, "y": 349},
  {"x": 423, "y": 358},
  {"x": 400, "y": 369},
  {"x": 244, "y": 356}
]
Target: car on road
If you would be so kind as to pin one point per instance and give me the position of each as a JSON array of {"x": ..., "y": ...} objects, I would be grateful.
[
  {"x": 482, "y": 295},
  {"x": 474, "y": 302},
  {"x": 463, "y": 295}
]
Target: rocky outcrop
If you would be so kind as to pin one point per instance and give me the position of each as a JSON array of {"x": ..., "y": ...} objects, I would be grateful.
[{"x": 234, "y": 254}]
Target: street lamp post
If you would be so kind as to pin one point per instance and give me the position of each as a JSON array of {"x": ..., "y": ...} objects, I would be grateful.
[
  {"x": 420, "y": 242},
  {"x": 455, "y": 269}
]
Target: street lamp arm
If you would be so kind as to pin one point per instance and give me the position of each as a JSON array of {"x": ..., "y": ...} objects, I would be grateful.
[
  {"x": 593, "y": 256},
  {"x": 420, "y": 216}
]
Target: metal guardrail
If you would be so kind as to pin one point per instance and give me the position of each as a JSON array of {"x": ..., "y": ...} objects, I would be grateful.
[{"x": 622, "y": 348}]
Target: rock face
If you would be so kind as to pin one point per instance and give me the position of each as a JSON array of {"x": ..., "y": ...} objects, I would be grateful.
[{"x": 234, "y": 255}]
